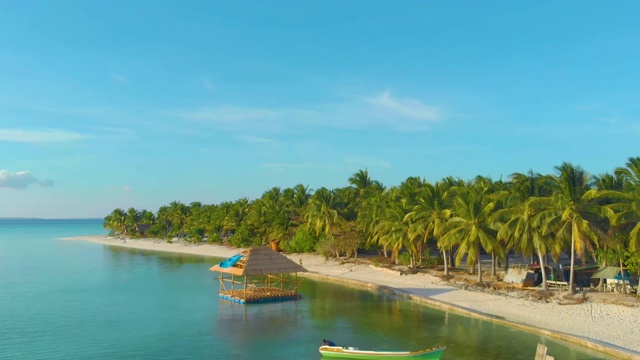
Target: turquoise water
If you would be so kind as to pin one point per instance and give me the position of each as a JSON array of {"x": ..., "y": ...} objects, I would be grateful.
[{"x": 77, "y": 300}]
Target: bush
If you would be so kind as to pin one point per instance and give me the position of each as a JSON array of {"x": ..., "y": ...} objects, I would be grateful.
[
  {"x": 326, "y": 246},
  {"x": 241, "y": 238},
  {"x": 214, "y": 239},
  {"x": 404, "y": 259},
  {"x": 302, "y": 242}
]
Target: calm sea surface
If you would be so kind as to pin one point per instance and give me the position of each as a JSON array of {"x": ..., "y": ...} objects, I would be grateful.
[{"x": 77, "y": 300}]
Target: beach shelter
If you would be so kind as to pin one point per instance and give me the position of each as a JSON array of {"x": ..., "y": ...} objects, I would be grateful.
[
  {"x": 610, "y": 272},
  {"x": 258, "y": 274}
]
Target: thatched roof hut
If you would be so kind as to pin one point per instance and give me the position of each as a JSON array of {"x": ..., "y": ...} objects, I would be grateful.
[
  {"x": 258, "y": 275},
  {"x": 258, "y": 261}
]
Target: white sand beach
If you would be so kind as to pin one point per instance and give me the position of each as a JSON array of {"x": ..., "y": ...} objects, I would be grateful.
[{"x": 608, "y": 327}]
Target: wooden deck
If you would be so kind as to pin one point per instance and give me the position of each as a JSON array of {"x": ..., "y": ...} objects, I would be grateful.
[{"x": 255, "y": 295}]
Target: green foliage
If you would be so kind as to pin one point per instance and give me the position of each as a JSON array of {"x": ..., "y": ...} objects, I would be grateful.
[
  {"x": 404, "y": 259},
  {"x": 632, "y": 262},
  {"x": 214, "y": 239},
  {"x": 241, "y": 238},
  {"x": 302, "y": 242},
  {"x": 431, "y": 261},
  {"x": 195, "y": 235},
  {"x": 326, "y": 246},
  {"x": 531, "y": 213}
]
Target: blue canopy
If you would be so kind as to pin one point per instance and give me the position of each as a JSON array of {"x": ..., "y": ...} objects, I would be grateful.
[{"x": 230, "y": 261}]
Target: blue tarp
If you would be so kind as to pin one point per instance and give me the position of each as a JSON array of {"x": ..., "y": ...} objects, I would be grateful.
[
  {"x": 619, "y": 275},
  {"x": 230, "y": 261}
]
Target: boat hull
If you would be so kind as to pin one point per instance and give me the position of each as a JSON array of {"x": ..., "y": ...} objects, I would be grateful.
[{"x": 348, "y": 353}]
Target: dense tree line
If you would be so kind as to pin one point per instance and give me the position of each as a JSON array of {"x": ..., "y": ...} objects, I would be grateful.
[{"x": 588, "y": 217}]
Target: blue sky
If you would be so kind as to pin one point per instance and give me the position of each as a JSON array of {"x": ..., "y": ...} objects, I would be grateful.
[{"x": 107, "y": 104}]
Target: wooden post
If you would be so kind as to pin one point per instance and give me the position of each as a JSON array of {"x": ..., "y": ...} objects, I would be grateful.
[
  {"x": 541, "y": 352},
  {"x": 245, "y": 288}
]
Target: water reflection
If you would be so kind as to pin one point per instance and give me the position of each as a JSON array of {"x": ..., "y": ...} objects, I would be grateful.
[{"x": 294, "y": 329}]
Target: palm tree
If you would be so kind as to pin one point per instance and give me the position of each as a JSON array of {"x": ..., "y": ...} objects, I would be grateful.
[
  {"x": 116, "y": 221},
  {"x": 630, "y": 174},
  {"x": 396, "y": 226},
  {"x": 370, "y": 218},
  {"x": 521, "y": 231},
  {"x": 322, "y": 214},
  {"x": 131, "y": 219},
  {"x": 470, "y": 227},
  {"x": 430, "y": 212},
  {"x": 571, "y": 214}
]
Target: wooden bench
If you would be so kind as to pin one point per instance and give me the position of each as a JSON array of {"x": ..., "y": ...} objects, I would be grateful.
[{"x": 560, "y": 285}]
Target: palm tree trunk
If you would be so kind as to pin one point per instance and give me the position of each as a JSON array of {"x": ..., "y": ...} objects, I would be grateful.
[
  {"x": 506, "y": 261},
  {"x": 543, "y": 270},
  {"x": 493, "y": 266},
  {"x": 446, "y": 263},
  {"x": 572, "y": 289},
  {"x": 624, "y": 285},
  {"x": 479, "y": 269}
]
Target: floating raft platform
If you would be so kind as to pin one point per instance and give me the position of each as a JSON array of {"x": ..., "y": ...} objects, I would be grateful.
[
  {"x": 258, "y": 275},
  {"x": 259, "y": 295}
]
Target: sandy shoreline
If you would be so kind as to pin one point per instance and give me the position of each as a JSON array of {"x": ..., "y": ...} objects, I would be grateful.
[{"x": 610, "y": 328}]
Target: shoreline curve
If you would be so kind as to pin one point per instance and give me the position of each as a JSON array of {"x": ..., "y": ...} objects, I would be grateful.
[{"x": 607, "y": 328}]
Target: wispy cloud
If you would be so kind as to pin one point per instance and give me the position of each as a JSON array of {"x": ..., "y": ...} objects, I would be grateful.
[
  {"x": 208, "y": 84},
  {"x": 21, "y": 180},
  {"x": 382, "y": 110},
  {"x": 228, "y": 114},
  {"x": 76, "y": 111},
  {"x": 38, "y": 136},
  {"x": 119, "y": 78},
  {"x": 115, "y": 133},
  {"x": 256, "y": 139},
  {"x": 405, "y": 107}
]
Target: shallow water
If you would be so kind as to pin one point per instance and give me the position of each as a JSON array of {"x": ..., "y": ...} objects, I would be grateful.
[{"x": 78, "y": 300}]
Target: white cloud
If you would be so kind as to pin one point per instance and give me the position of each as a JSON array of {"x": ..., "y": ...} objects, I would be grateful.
[
  {"x": 382, "y": 110},
  {"x": 228, "y": 114},
  {"x": 409, "y": 108},
  {"x": 33, "y": 136},
  {"x": 21, "y": 180}
]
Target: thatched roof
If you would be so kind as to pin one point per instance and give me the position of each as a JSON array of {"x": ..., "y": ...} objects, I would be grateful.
[{"x": 261, "y": 261}]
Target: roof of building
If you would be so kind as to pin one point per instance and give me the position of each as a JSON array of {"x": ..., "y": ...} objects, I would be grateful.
[{"x": 261, "y": 260}]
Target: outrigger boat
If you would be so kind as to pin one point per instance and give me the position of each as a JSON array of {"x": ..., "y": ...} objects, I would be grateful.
[{"x": 355, "y": 353}]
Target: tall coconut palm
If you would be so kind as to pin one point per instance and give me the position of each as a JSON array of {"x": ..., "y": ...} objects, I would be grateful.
[
  {"x": 520, "y": 230},
  {"x": 571, "y": 214},
  {"x": 630, "y": 173},
  {"x": 471, "y": 226},
  {"x": 322, "y": 214},
  {"x": 430, "y": 212},
  {"x": 608, "y": 182},
  {"x": 131, "y": 219},
  {"x": 370, "y": 218},
  {"x": 116, "y": 221},
  {"x": 396, "y": 226}
]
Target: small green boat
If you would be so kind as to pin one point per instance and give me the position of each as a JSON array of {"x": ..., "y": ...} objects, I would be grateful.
[{"x": 355, "y": 353}]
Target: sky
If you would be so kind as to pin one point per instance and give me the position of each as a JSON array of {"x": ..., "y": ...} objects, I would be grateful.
[{"x": 119, "y": 104}]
